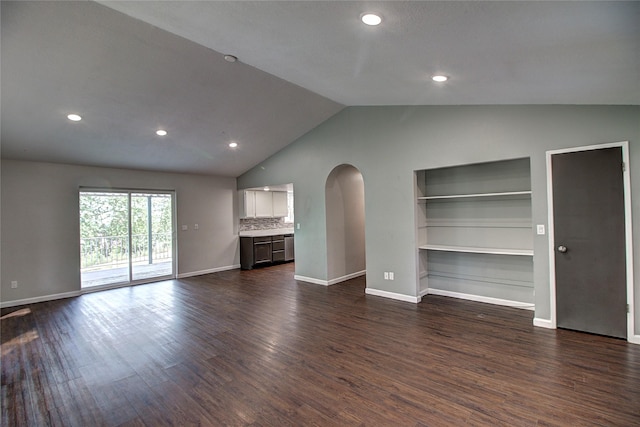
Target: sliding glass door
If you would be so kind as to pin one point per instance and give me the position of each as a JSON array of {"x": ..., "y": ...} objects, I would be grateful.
[
  {"x": 152, "y": 236},
  {"x": 126, "y": 237}
]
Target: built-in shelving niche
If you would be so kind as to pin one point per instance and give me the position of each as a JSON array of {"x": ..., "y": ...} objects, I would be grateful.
[{"x": 474, "y": 230}]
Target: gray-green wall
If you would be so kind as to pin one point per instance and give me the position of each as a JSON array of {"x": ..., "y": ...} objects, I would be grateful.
[
  {"x": 345, "y": 223},
  {"x": 388, "y": 143},
  {"x": 41, "y": 231}
]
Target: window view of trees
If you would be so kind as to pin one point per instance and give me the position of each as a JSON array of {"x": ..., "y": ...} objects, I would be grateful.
[{"x": 104, "y": 229}]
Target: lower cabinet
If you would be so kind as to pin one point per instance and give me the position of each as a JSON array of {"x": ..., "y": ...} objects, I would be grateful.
[
  {"x": 262, "y": 250},
  {"x": 265, "y": 250},
  {"x": 277, "y": 248}
]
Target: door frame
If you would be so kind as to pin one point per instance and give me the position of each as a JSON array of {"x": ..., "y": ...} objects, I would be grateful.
[
  {"x": 626, "y": 178},
  {"x": 174, "y": 239}
]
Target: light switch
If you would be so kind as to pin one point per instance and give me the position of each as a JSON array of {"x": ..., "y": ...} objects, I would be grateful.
[
  {"x": 195, "y": 226},
  {"x": 298, "y": 226},
  {"x": 540, "y": 229},
  {"x": 185, "y": 227}
]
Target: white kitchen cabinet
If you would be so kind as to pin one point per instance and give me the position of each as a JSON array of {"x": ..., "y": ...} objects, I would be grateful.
[
  {"x": 264, "y": 204},
  {"x": 247, "y": 204},
  {"x": 280, "y": 208}
]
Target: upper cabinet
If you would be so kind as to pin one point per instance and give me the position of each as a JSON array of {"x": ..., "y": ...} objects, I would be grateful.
[
  {"x": 247, "y": 204},
  {"x": 280, "y": 204},
  {"x": 262, "y": 204}
]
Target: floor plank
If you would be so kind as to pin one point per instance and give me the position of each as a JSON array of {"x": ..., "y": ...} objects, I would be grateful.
[{"x": 257, "y": 348}]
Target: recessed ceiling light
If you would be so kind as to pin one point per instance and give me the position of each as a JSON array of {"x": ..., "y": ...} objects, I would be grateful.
[
  {"x": 266, "y": 188},
  {"x": 439, "y": 78},
  {"x": 233, "y": 144},
  {"x": 161, "y": 132},
  {"x": 74, "y": 117},
  {"x": 230, "y": 58},
  {"x": 371, "y": 19}
]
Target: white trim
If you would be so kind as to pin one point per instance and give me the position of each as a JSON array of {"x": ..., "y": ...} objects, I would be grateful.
[
  {"x": 329, "y": 282},
  {"x": 476, "y": 195},
  {"x": 311, "y": 280},
  {"x": 91, "y": 289},
  {"x": 553, "y": 322},
  {"x": 43, "y": 298},
  {"x": 626, "y": 177},
  {"x": 543, "y": 323},
  {"x": 479, "y": 298},
  {"x": 392, "y": 295},
  {"x": 478, "y": 250},
  {"x": 347, "y": 277},
  {"x": 208, "y": 271}
]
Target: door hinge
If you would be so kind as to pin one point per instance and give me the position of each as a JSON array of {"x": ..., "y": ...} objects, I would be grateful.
[
  {"x": 627, "y": 308},
  {"x": 624, "y": 167}
]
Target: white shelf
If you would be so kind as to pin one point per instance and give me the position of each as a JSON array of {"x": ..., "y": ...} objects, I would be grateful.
[
  {"x": 478, "y": 250},
  {"x": 476, "y": 195}
]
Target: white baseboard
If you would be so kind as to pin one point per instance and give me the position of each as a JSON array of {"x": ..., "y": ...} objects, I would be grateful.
[
  {"x": 546, "y": 323},
  {"x": 311, "y": 280},
  {"x": 478, "y": 298},
  {"x": 332, "y": 281},
  {"x": 347, "y": 277},
  {"x": 43, "y": 298},
  {"x": 634, "y": 339},
  {"x": 392, "y": 295},
  {"x": 543, "y": 323},
  {"x": 208, "y": 271}
]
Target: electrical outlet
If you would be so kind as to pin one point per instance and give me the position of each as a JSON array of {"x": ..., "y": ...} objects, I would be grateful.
[
  {"x": 391, "y": 275},
  {"x": 386, "y": 275},
  {"x": 195, "y": 226},
  {"x": 185, "y": 227},
  {"x": 14, "y": 284}
]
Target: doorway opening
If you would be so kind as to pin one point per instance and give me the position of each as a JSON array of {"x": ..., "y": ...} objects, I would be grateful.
[
  {"x": 126, "y": 237},
  {"x": 345, "y": 216}
]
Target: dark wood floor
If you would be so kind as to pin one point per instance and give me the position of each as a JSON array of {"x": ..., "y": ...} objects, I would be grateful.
[{"x": 258, "y": 348}]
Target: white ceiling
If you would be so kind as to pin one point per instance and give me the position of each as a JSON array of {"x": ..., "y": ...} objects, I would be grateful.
[{"x": 133, "y": 67}]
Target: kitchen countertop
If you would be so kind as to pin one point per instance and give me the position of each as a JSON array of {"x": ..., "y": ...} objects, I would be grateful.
[{"x": 270, "y": 232}]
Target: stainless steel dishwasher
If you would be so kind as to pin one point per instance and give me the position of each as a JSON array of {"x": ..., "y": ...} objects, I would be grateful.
[{"x": 288, "y": 247}]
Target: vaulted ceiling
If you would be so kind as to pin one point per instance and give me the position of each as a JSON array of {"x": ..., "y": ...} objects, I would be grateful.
[{"x": 131, "y": 68}]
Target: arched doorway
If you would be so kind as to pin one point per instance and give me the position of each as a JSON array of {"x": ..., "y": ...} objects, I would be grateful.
[{"x": 345, "y": 216}]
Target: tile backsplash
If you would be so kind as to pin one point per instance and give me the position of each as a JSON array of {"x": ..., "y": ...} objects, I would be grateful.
[{"x": 249, "y": 224}]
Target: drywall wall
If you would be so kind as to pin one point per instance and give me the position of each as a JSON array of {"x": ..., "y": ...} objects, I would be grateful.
[
  {"x": 345, "y": 223},
  {"x": 40, "y": 222},
  {"x": 387, "y": 144}
]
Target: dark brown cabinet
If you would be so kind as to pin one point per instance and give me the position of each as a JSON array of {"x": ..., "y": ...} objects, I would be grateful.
[
  {"x": 262, "y": 247},
  {"x": 255, "y": 251},
  {"x": 277, "y": 248}
]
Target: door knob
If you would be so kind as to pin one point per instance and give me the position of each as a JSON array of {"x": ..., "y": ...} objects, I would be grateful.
[{"x": 562, "y": 249}]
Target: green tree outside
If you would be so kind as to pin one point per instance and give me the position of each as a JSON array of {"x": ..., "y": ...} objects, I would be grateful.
[{"x": 104, "y": 225}]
